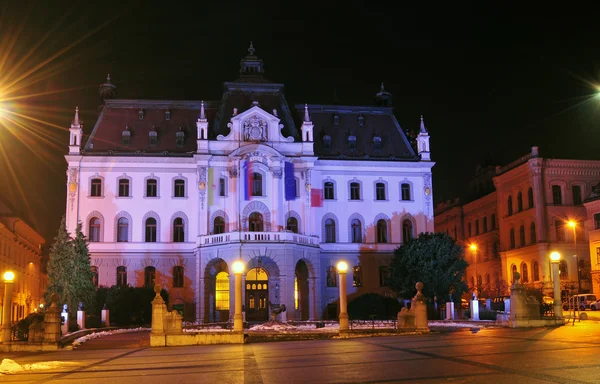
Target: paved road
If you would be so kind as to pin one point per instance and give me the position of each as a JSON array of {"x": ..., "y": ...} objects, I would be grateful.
[{"x": 550, "y": 355}]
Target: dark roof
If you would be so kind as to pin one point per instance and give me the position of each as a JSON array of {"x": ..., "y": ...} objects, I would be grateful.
[
  {"x": 117, "y": 114},
  {"x": 377, "y": 122}
]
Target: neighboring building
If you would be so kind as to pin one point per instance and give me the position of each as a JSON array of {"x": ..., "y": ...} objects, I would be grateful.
[
  {"x": 173, "y": 192},
  {"x": 21, "y": 253},
  {"x": 592, "y": 225},
  {"x": 539, "y": 208}
]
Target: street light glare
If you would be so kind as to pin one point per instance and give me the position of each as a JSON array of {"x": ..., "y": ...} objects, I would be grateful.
[
  {"x": 238, "y": 267},
  {"x": 555, "y": 256},
  {"x": 342, "y": 266},
  {"x": 572, "y": 223},
  {"x": 9, "y": 276},
  {"x": 473, "y": 247}
]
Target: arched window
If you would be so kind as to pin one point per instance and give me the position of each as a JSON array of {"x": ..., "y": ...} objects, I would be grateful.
[
  {"x": 522, "y": 236},
  {"x": 292, "y": 224},
  {"x": 178, "y": 276},
  {"x": 178, "y": 236},
  {"x": 94, "y": 229},
  {"x": 149, "y": 276},
  {"x": 256, "y": 184},
  {"x": 122, "y": 230},
  {"x": 356, "y": 228},
  {"x": 510, "y": 207},
  {"x": 512, "y": 238},
  {"x": 536, "y": 271},
  {"x": 562, "y": 270},
  {"x": 488, "y": 281},
  {"x": 513, "y": 270},
  {"x": 219, "y": 225},
  {"x": 329, "y": 231},
  {"x": 122, "y": 276},
  {"x": 407, "y": 231},
  {"x": 532, "y": 233},
  {"x": 530, "y": 197},
  {"x": 255, "y": 222},
  {"x": 519, "y": 202},
  {"x": 381, "y": 231},
  {"x": 94, "y": 276},
  {"x": 524, "y": 273},
  {"x": 151, "y": 230},
  {"x": 222, "y": 291}
]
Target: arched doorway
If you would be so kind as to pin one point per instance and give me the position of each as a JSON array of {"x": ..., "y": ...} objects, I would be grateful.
[
  {"x": 216, "y": 294},
  {"x": 257, "y": 295},
  {"x": 301, "y": 290}
]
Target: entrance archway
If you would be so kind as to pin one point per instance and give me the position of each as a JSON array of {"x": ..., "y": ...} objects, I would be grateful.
[
  {"x": 301, "y": 289},
  {"x": 257, "y": 295}
]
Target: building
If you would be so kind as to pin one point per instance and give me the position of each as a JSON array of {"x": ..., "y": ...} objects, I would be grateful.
[
  {"x": 21, "y": 253},
  {"x": 539, "y": 209},
  {"x": 173, "y": 192}
]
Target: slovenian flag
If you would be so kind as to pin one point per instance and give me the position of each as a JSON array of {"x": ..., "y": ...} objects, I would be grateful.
[
  {"x": 316, "y": 197},
  {"x": 289, "y": 181}
]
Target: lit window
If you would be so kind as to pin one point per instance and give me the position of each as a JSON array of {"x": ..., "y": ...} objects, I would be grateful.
[
  {"x": 357, "y": 276},
  {"x": 222, "y": 292},
  {"x": 296, "y": 304}
]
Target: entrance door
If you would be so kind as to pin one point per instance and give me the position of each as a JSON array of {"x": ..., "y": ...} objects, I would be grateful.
[{"x": 257, "y": 295}]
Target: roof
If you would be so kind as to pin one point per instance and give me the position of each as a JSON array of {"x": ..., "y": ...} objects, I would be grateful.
[
  {"x": 594, "y": 195},
  {"x": 377, "y": 122}
]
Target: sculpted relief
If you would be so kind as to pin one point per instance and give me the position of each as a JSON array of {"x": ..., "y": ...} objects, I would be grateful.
[{"x": 255, "y": 129}]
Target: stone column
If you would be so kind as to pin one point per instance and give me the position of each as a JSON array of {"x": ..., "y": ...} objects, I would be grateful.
[
  {"x": 419, "y": 302},
  {"x": 52, "y": 321},
  {"x": 6, "y": 311},
  {"x": 342, "y": 270},
  {"x": 105, "y": 318},
  {"x": 81, "y": 319}
]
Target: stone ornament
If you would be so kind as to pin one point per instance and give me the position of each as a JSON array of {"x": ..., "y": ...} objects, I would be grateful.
[{"x": 255, "y": 129}]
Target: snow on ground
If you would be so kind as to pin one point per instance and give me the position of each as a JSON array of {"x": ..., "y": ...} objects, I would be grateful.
[
  {"x": 9, "y": 366},
  {"x": 95, "y": 335}
]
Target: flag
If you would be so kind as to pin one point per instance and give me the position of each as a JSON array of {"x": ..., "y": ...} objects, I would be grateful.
[
  {"x": 248, "y": 180},
  {"x": 211, "y": 187},
  {"x": 316, "y": 197},
  {"x": 289, "y": 181}
]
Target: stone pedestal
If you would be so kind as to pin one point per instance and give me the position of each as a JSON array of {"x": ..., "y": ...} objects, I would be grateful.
[
  {"x": 488, "y": 304},
  {"x": 52, "y": 321},
  {"x": 105, "y": 318},
  {"x": 419, "y": 305},
  {"x": 507, "y": 305},
  {"x": 81, "y": 319},
  {"x": 64, "y": 328},
  {"x": 474, "y": 309},
  {"x": 450, "y": 310}
]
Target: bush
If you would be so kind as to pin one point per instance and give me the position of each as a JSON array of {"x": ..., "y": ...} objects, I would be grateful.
[
  {"x": 372, "y": 304},
  {"x": 484, "y": 314},
  {"x": 22, "y": 326},
  {"x": 128, "y": 305},
  {"x": 73, "y": 326},
  {"x": 92, "y": 321}
]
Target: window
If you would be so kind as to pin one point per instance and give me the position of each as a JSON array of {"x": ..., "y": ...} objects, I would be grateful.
[
  {"x": 469, "y": 232},
  {"x": 123, "y": 188},
  {"x": 357, "y": 276},
  {"x": 329, "y": 231},
  {"x": 179, "y": 188},
  {"x": 381, "y": 231},
  {"x": 123, "y": 230},
  {"x": 179, "y": 139},
  {"x": 178, "y": 276},
  {"x": 122, "y": 276},
  {"x": 510, "y": 207},
  {"x": 530, "y": 197},
  {"x": 151, "y": 188},
  {"x": 167, "y": 115},
  {"x": 178, "y": 236},
  {"x": 354, "y": 191},
  {"x": 596, "y": 220},
  {"x": 384, "y": 275},
  {"x": 380, "y": 191},
  {"x": 329, "y": 191},
  {"x": 512, "y": 238},
  {"x": 519, "y": 202},
  {"x": 256, "y": 222},
  {"x": 352, "y": 142},
  {"x": 405, "y": 191},
  {"x": 126, "y": 137},
  {"x": 576, "y": 189},
  {"x": 222, "y": 291},
  {"x": 326, "y": 142},
  {"x": 476, "y": 227},
  {"x": 562, "y": 270},
  {"x": 222, "y": 186},
  {"x": 292, "y": 224},
  {"x": 219, "y": 225},
  {"x": 522, "y": 236},
  {"x": 296, "y": 304},
  {"x": 513, "y": 270},
  {"x": 524, "y": 273},
  {"x": 532, "y": 233},
  {"x": 149, "y": 276},
  {"x": 94, "y": 230},
  {"x": 256, "y": 184},
  {"x": 94, "y": 276},
  {"x": 536, "y": 271},
  {"x": 493, "y": 221},
  {"x": 331, "y": 276},
  {"x": 356, "y": 231},
  {"x": 598, "y": 255},
  {"x": 407, "y": 231},
  {"x": 485, "y": 226},
  {"x": 96, "y": 190},
  {"x": 152, "y": 138},
  {"x": 150, "y": 230},
  {"x": 556, "y": 195},
  {"x": 560, "y": 230}
]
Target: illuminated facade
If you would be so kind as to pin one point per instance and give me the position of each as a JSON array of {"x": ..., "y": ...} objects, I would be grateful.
[
  {"x": 21, "y": 252},
  {"x": 185, "y": 188}
]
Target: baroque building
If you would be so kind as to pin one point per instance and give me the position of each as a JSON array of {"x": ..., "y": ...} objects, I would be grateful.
[
  {"x": 538, "y": 205},
  {"x": 173, "y": 192},
  {"x": 21, "y": 252}
]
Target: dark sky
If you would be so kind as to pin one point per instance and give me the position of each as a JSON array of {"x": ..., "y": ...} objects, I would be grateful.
[{"x": 490, "y": 82}]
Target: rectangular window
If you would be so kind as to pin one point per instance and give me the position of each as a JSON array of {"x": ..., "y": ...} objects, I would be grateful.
[
  {"x": 178, "y": 277},
  {"x": 329, "y": 191},
  {"x": 493, "y": 223},
  {"x": 222, "y": 186},
  {"x": 354, "y": 191},
  {"x": 151, "y": 188},
  {"x": 405, "y": 190},
  {"x": 469, "y": 230},
  {"x": 485, "y": 227},
  {"x": 357, "y": 276},
  {"x": 96, "y": 190},
  {"x": 556, "y": 195},
  {"x": 476, "y": 227},
  {"x": 380, "y": 191},
  {"x": 179, "y": 188},
  {"x": 123, "y": 188},
  {"x": 576, "y": 189},
  {"x": 331, "y": 276},
  {"x": 596, "y": 220}
]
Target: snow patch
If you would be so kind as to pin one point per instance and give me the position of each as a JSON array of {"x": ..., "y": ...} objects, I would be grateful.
[
  {"x": 9, "y": 366},
  {"x": 95, "y": 335}
]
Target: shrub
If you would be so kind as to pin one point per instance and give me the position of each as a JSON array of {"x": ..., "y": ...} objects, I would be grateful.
[
  {"x": 22, "y": 326},
  {"x": 485, "y": 314},
  {"x": 367, "y": 305},
  {"x": 73, "y": 326},
  {"x": 128, "y": 305}
]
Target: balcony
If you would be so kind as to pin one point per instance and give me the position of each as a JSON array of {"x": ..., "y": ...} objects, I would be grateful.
[{"x": 257, "y": 237}]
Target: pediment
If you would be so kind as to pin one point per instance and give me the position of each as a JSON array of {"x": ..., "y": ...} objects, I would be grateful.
[{"x": 255, "y": 125}]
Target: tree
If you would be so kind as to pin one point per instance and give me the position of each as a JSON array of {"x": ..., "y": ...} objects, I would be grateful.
[
  {"x": 433, "y": 259},
  {"x": 69, "y": 272}
]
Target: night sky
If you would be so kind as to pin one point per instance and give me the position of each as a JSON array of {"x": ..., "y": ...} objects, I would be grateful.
[{"x": 490, "y": 82}]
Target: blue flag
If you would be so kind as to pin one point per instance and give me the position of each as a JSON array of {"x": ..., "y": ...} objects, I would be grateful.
[{"x": 289, "y": 181}]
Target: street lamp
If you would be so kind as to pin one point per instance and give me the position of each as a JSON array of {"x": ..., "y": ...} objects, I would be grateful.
[
  {"x": 9, "y": 278},
  {"x": 473, "y": 248},
  {"x": 555, "y": 261},
  {"x": 573, "y": 224},
  {"x": 238, "y": 269},
  {"x": 342, "y": 268}
]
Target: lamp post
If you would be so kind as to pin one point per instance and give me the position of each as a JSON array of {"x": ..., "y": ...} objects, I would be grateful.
[
  {"x": 555, "y": 260},
  {"x": 342, "y": 268},
  {"x": 238, "y": 269},
  {"x": 473, "y": 248},
  {"x": 573, "y": 224},
  {"x": 9, "y": 278}
]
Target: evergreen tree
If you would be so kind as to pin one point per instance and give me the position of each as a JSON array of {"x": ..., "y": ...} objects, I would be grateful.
[
  {"x": 433, "y": 259},
  {"x": 81, "y": 280}
]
